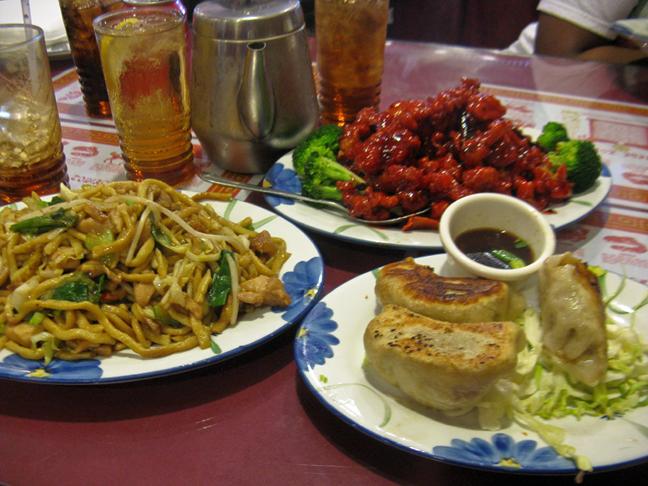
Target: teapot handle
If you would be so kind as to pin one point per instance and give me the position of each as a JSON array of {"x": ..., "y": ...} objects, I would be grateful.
[{"x": 256, "y": 103}]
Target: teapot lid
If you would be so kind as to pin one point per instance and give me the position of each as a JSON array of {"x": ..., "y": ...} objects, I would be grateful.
[{"x": 247, "y": 20}]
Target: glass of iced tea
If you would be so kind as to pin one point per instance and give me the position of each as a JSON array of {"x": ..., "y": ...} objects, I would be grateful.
[
  {"x": 174, "y": 4},
  {"x": 77, "y": 17},
  {"x": 31, "y": 152},
  {"x": 144, "y": 63},
  {"x": 350, "y": 37}
]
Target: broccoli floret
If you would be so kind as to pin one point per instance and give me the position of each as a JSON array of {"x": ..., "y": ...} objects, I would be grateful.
[
  {"x": 320, "y": 175},
  {"x": 315, "y": 161},
  {"x": 320, "y": 169},
  {"x": 552, "y": 133},
  {"x": 320, "y": 191},
  {"x": 324, "y": 141},
  {"x": 582, "y": 160}
]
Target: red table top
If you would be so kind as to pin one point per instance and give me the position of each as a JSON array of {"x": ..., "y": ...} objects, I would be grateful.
[{"x": 251, "y": 419}]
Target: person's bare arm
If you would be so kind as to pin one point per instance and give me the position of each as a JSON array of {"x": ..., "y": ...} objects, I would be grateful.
[
  {"x": 613, "y": 54},
  {"x": 557, "y": 37}
]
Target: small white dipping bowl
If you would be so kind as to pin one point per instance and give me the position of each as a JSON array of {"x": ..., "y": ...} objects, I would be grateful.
[{"x": 497, "y": 211}]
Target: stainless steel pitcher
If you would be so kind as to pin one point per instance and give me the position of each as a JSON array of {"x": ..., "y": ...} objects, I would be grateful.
[{"x": 253, "y": 94}]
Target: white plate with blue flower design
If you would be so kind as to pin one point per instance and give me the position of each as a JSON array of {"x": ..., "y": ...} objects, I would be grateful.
[
  {"x": 302, "y": 276},
  {"x": 283, "y": 176},
  {"x": 329, "y": 352}
]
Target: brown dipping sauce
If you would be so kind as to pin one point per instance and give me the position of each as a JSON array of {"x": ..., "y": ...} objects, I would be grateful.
[{"x": 479, "y": 244}]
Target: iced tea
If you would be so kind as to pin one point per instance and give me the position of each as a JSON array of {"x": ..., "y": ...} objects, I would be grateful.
[
  {"x": 350, "y": 36},
  {"x": 144, "y": 63},
  {"x": 31, "y": 152},
  {"x": 174, "y": 4},
  {"x": 77, "y": 17}
]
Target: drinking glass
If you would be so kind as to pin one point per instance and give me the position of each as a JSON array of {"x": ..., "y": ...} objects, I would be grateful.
[
  {"x": 171, "y": 4},
  {"x": 77, "y": 17},
  {"x": 174, "y": 4},
  {"x": 144, "y": 62},
  {"x": 350, "y": 37},
  {"x": 31, "y": 151}
]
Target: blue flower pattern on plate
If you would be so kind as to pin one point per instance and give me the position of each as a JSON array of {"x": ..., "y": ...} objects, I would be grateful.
[
  {"x": 87, "y": 370},
  {"x": 302, "y": 284},
  {"x": 284, "y": 179},
  {"x": 315, "y": 339},
  {"x": 503, "y": 451}
]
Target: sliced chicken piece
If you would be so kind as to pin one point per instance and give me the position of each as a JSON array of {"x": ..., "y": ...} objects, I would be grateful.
[
  {"x": 143, "y": 293},
  {"x": 264, "y": 290},
  {"x": 262, "y": 243},
  {"x": 22, "y": 333}
]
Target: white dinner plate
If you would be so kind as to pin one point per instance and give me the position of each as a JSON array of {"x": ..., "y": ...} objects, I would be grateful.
[
  {"x": 283, "y": 176},
  {"x": 302, "y": 276},
  {"x": 329, "y": 352}
]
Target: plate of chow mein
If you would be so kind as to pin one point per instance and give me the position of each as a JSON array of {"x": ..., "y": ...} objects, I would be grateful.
[{"x": 126, "y": 281}]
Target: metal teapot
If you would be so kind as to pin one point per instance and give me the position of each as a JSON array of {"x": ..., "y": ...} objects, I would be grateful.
[{"x": 253, "y": 94}]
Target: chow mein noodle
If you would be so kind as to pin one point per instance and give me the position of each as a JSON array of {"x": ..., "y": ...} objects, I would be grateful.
[{"x": 134, "y": 265}]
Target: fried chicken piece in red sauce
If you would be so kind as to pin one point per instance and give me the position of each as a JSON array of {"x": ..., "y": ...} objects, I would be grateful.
[
  {"x": 370, "y": 205},
  {"x": 436, "y": 150}
]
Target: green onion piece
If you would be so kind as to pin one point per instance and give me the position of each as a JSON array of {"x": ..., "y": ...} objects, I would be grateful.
[
  {"x": 508, "y": 258},
  {"x": 162, "y": 316},
  {"x": 56, "y": 200},
  {"x": 596, "y": 270},
  {"x": 216, "y": 349},
  {"x": 105, "y": 238},
  {"x": 221, "y": 284},
  {"x": 36, "y": 318},
  {"x": 43, "y": 224},
  {"x": 101, "y": 282},
  {"x": 520, "y": 243},
  {"x": 160, "y": 236},
  {"x": 79, "y": 289},
  {"x": 101, "y": 239}
]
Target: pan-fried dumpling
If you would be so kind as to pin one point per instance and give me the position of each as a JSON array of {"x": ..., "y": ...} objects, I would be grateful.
[
  {"x": 573, "y": 318},
  {"x": 444, "y": 365},
  {"x": 452, "y": 299}
]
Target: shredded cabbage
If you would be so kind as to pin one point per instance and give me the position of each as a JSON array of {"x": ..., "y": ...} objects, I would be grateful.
[
  {"x": 48, "y": 343},
  {"x": 22, "y": 293},
  {"x": 540, "y": 391}
]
